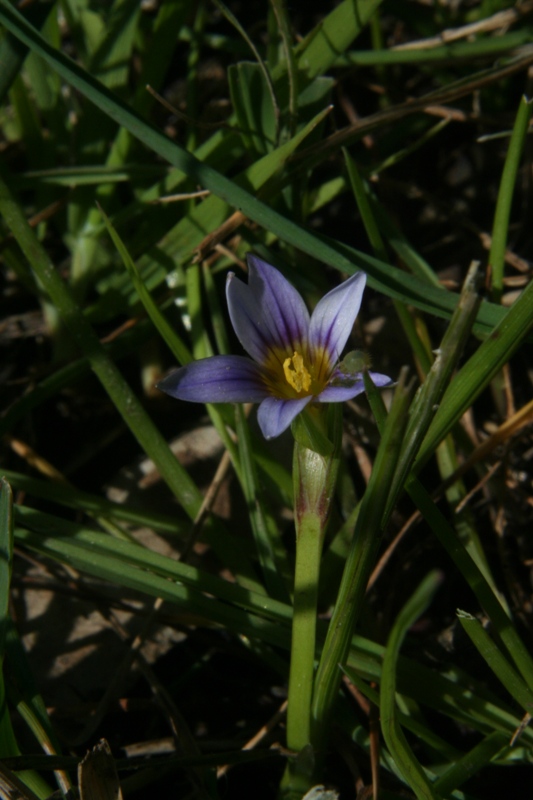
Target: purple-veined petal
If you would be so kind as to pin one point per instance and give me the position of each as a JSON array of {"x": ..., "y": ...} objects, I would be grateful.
[
  {"x": 267, "y": 312},
  {"x": 282, "y": 304},
  {"x": 338, "y": 394},
  {"x": 333, "y": 318},
  {"x": 219, "y": 379},
  {"x": 246, "y": 319},
  {"x": 275, "y": 416}
]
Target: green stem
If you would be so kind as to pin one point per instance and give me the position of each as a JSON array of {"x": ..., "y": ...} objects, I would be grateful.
[
  {"x": 315, "y": 477},
  {"x": 298, "y": 777},
  {"x": 308, "y": 549}
]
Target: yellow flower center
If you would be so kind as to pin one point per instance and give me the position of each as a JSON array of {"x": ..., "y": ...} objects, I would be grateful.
[{"x": 296, "y": 373}]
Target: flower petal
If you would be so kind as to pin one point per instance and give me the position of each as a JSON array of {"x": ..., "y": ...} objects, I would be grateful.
[
  {"x": 380, "y": 380},
  {"x": 219, "y": 379},
  {"x": 333, "y": 318},
  {"x": 275, "y": 416},
  {"x": 338, "y": 394},
  {"x": 267, "y": 312}
]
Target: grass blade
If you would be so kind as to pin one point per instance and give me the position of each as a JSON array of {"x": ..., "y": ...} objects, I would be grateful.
[
  {"x": 429, "y": 395},
  {"x": 8, "y": 742},
  {"x": 391, "y": 281},
  {"x": 496, "y": 660},
  {"x": 502, "y": 214},
  {"x": 366, "y": 540},
  {"x": 476, "y": 374},
  {"x": 6, "y": 557},
  {"x": 66, "y": 539},
  {"x": 476, "y": 580},
  {"x": 467, "y": 766},
  {"x": 394, "y": 737},
  {"x": 123, "y": 397},
  {"x": 168, "y": 334}
]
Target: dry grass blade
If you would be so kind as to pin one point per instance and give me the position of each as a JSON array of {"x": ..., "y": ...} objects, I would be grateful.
[
  {"x": 267, "y": 728},
  {"x": 12, "y": 788},
  {"x": 502, "y": 19},
  {"x": 506, "y": 430},
  {"x": 97, "y": 775},
  {"x": 448, "y": 94}
]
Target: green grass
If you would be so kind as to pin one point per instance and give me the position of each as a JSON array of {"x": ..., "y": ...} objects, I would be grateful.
[{"x": 325, "y": 150}]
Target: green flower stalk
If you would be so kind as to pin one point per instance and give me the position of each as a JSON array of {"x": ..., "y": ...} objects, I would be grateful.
[{"x": 314, "y": 479}]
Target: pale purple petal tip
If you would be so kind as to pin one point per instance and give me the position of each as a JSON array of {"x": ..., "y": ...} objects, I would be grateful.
[
  {"x": 381, "y": 380},
  {"x": 275, "y": 415},
  {"x": 267, "y": 312},
  {"x": 333, "y": 318},
  {"x": 339, "y": 394},
  {"x": 219, "y": 379}
]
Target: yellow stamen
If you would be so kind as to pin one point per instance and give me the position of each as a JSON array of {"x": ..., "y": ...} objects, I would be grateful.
[{"x": 296, "y": 374}]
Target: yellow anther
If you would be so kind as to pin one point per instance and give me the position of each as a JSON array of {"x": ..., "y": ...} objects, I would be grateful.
[{"x": 296, "y": 374}]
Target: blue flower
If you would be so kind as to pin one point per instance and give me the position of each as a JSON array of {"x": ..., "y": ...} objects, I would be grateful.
[{"x": 294, "y": 356}]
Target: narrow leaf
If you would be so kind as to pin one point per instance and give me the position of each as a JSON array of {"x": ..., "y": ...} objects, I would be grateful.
[{"x": 392, "y": 732}]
